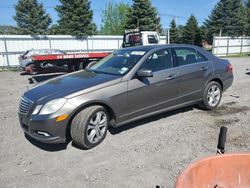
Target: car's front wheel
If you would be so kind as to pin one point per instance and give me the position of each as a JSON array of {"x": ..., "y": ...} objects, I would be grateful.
[
  {"x": 89, "y": 126},
  {"x": 211, "y": 96}
]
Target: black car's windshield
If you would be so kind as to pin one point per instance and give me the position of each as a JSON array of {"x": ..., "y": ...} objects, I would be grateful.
[{"x": 119, "y": 62}]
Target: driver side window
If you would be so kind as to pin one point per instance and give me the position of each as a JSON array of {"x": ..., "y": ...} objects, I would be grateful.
[{"x": 158, "y": 61}]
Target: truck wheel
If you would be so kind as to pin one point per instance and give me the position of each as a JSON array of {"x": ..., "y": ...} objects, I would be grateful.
[
  {"x": 89, "y": 127},
  {"x": 211, "y": 96}
]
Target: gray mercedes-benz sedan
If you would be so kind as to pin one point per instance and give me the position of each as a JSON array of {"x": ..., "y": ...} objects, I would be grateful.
[{"x": 128, "y": 85}]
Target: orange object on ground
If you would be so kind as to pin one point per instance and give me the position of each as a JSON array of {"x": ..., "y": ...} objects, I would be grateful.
[{"x": 220, "y": 171}]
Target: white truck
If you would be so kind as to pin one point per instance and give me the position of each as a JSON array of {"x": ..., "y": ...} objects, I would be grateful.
[{"x": 138, "y": 38}]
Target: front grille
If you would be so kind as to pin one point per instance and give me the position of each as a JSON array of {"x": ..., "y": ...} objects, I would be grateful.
[{"x": 24, "y": 106}]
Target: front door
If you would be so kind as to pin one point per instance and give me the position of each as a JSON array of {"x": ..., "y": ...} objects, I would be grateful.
[{"x": 150, "y": 94}]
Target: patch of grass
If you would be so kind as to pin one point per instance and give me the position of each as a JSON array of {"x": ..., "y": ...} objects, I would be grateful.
[
  {"x": 239, "y": 55},
  {"x": 12, "y": 68}
]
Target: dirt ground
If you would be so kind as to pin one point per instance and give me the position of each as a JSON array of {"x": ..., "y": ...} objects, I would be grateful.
[{"x": 141, "y": 154}]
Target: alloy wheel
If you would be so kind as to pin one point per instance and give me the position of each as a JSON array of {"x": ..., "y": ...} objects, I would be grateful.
[
  {"x": 213, "y": 95},
  {"x": 97, "y": 126}
]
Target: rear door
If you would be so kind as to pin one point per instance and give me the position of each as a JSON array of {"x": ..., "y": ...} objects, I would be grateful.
[
  {"x": 146, "y": 95},
  {"x": 193, "y": 71}
]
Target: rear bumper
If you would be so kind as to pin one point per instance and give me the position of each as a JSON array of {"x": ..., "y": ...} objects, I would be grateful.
[{"x": 227, "y": 83}]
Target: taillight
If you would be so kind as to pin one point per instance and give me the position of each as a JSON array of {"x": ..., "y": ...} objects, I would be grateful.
[{"x": 229, "y": 68}]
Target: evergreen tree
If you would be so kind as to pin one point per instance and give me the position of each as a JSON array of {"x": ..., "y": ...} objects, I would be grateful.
[
  {"x": 144, "y": 16},
  {"x": 54, "y": 30},
  {"x": 191, "y": 32},
  {"x": 75, "y": 18},
  {"x": 8, "y": 30},
  {"x": 173, "y": 32},
  {"x": 114, "y": 19},
  {"x": 248, "y": 18},
  {"x": 180, "y": 29},
  {"x": 31, "y": 17},
  {"x": 203, "y": 30},
  {"x": 228, "y": 16}
]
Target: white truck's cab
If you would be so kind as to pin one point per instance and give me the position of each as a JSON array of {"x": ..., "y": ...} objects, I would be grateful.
[{"x": 139, "y": 38}]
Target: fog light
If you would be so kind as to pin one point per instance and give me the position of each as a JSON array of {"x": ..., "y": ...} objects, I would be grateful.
[
  {"x": 62, "y": 117},
  {"x": 43, "y": 133}
]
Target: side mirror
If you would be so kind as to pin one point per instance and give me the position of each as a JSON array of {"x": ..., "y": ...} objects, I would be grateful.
[
  {"x": 144, "y": 73},
  {"x": 92, "y": 63}
]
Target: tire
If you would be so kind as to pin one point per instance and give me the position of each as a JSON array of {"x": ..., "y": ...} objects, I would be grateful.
[
  {"x": 31, "y": 65},
  {"x": 211, "y": 97},
  {"x": 86, "y": 130}
]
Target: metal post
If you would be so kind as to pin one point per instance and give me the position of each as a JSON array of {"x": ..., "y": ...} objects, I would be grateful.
[
  {"x": 50, "y": 43},
  {"x": 227, "y": 45},
  {"x": 6, "y": 52},
  {"x": 92, "y": 37},
  {"x": 87, "y": 44},
  {"x": 218, "y": 42},
  {"x": 168, "y": 36},
  {"x": 241, "y": 45}
]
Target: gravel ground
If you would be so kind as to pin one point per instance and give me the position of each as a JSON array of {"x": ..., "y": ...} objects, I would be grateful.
[{"x": 142, "y": 154}]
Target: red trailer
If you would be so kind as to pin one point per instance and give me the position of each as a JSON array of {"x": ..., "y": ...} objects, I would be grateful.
[{"x": 55, "y": 63}]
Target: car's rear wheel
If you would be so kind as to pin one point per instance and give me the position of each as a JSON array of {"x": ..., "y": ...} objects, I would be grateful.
[
  {"x": 89, "y": 126},
  {"x": 211, "y": 96}
]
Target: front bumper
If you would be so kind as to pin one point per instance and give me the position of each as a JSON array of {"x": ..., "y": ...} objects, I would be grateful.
[{"x": 44, "y": 128}]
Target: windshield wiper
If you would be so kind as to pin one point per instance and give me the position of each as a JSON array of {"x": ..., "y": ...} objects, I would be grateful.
[{"x": 102, "y": 72}]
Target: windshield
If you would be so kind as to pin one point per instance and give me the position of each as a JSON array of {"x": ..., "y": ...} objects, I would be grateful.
[{"x": 119, "y": 62}]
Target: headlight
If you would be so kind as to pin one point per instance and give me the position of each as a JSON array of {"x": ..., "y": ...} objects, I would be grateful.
[
  {"x": 53, "y": 106},
  {"x": 37, "y": 109}
]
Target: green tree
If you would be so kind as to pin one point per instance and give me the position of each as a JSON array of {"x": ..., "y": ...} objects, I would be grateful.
[
  {"x": 228, "y": 16},
  {"x": 173, "y": 32},
  {"x": 54, "y": 30},
  {"x": 8, "y": 30},
  {"x": 31, "y": 17},
  {"x": 114, "y": 19},
  {"x": 248, "y": 18},
  {"x": 75, "y": 18},
  {"x": 143, "y": 15},
  {"x": 180, "y": 29},
  {"x": 191, "y": 32}
]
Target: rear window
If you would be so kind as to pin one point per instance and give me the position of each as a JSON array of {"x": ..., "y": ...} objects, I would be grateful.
[
  {"x": 185, "y": 56},
  {"x": 152, "y": 39},
  {"x": 132, "y": 39},
  {"x": 201, "y": 57}
]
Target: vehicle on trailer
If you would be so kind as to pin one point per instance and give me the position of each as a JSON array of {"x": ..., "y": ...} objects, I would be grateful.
[
  {"x": 129, "y": 84},
  {"x": 62, "y": 63},
  {"x": 135, "y": 37},
  {"x": 26, "y": 58}
]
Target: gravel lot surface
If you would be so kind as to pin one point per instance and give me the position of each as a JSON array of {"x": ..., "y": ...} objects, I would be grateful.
[{"x": 141, "y": 154}]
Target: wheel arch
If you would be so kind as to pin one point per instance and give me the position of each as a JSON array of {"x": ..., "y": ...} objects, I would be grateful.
[
  {"x": 217, "y": 79},
  {"x": 110, "y": 111}
]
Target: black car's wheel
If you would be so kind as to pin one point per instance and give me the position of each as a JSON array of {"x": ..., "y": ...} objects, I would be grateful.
[
  {"x": 30, "y": 68},
  {"x": 211, "y": 96},
  {"x": 89, "y": 127}
]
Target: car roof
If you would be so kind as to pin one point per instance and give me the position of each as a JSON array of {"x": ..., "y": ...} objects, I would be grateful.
[
  {"x": 159, "y": 46},
  {"x": 44, "y": 49}
]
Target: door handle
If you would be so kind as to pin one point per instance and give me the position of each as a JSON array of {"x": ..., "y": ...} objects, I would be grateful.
[
  {"x": 204, "y": 68},
  {"x": 171, "y": 77}
]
